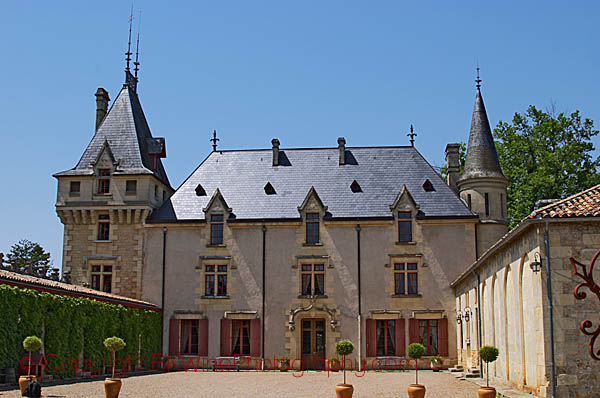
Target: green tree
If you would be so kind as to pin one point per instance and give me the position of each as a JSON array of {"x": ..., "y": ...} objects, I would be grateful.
[
  {"x": 545, "y": 157},
  {"x": 30, "y": 258}
]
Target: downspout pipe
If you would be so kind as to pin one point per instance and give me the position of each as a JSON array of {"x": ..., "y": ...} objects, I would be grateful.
[
  {"x": 264, "y": 262},
  {"x": 162, "y": 299},
  {"x": 479, "y": 321},
  {"x": 359, "y": 299},
  {"x": 550, "y": 310}
]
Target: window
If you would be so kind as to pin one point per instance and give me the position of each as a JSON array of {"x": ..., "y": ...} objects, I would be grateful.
[
  {"x": 406, "y": 280},
  {"x": 355, "y": 187},
  {"x": 188, "y": 338},
  {"x": 428, "y": 186},
  {"x": 469, "y": 200},
  {"x": 313, "y": 280},
  {"x": 216, "y": 229},
  {"x": 269, "y": 190},
  {"x": 104, "y": 181},
  {"x": 103, "y": 227},
  {"x": 164, "y": 195},
  {"x": 200, "y": 191},
  {"x": 428, "y": 335},
  {"x": 240, "y": 341},
  {"x": 75, "y": 188},
  {"x": 487, "y": 204},
  {"x": 155, "y": 191},
  {"x": 312, "y": 228},
  {"x": 215, "y": 280},
  {"x": 404, "y": 226},
  {"x": 502, "y": 205},
  {"x": 102, "y": 277},
  {"x": 386, "y": 337},
  {"x": 130, "y": 187}
]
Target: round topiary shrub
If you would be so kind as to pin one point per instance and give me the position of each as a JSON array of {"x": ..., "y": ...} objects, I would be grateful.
[
  {"x": 114, "y": 344},
  {"x": 488, "y": 353},
  {"x": 343, "y": 348},
  {"x": 31, "y": 344},
  {"x": 416, "y": 351}
]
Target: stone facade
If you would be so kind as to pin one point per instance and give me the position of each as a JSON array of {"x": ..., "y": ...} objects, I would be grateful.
[{"x": 515, "y": 313}]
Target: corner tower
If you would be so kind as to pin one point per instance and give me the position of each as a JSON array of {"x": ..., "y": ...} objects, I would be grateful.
[
  {"x": 482, "y": 185},
  {"x": 104, "y": 200}
]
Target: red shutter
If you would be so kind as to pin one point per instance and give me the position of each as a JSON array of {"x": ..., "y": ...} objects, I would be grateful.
[
  {"x": 174, "y": 325},
  {"x": 413, "y": 331},
  {"x": 400, "y": 340},
  {"x": 371, "y": 334},
  {"x": 255, "y": 338},
  {"x": 443, "y": 337},
  {"x": 225, "y": 337},
  {"x": 203, "y": 337}
]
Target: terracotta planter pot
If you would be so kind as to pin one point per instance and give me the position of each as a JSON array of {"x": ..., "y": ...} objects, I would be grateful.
[
  {"x": 344, "y": 390},
  {"x": 486, "y": 392},
  {"x": 416, "y": 391},
  {"x": 24, "y": 382},
  {"x": 436, "y": 366},
  {"x": 284, "y": 366},
  {"x": 112, "y": 387}
]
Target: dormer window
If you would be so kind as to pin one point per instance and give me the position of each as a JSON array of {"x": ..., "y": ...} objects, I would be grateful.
[
  {"x": 312, "y": 228},
  {"x": 103, "y": 181},
  {"x": 404, "y": 226},
  {"x": 355, "y": 187},
  {"x": 428, "y": 186},
  {"x": 269, "y": 190},
  {"x": 216, "y": 229},
  {"x": 200, "y": 191}
]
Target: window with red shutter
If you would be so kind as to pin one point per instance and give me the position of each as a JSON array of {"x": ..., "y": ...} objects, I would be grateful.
[
  {"x": 400, "y": 339},
  {"x": 225, "y": 337},
  {"x": 203, "y": 338},
  {"x": 413, "y": 331},
  {"x": 255, "y": 337},
  {"x": 174, "y": 336},
  {"x": 443, "y": 336},
  {"x": 371, "y": 337}
]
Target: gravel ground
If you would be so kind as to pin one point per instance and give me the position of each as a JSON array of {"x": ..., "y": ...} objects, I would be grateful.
[{"x": 265, "y": 384}]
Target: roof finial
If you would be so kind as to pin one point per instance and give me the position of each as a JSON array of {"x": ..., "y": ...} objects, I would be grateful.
[
  {"x": 214, "y": 140},
  {"x": 478, "y": 80},
  {"x": 137, "y": 47},
  {"x": 128, "y": 53},
  {"x": 412, "y": 135}
]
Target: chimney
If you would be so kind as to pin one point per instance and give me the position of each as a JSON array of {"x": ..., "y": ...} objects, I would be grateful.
[
  {"x": 101, "y": 105},
  {"x": 452, "y": 165},
  {"x": 275, "y": 143},
  {"x": 342, "y": 150}
]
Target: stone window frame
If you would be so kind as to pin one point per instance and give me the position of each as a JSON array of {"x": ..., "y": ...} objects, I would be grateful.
[
  {"x": 73, "y": 184},
  {"x": 104, "y": 220},
  {"x": 312, "y": 274},
  {"x": 103, "y": 174},
  {"x": 128, "y": 190},
  {"x": 405, "y": 259},
  {"x": 216, "y": 262},
  {"x": 312, "y": 260},
  {"x": 102, "y": 263}
]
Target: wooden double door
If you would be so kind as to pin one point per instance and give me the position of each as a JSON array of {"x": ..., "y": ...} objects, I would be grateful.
[{"x": 313, "y": 344}]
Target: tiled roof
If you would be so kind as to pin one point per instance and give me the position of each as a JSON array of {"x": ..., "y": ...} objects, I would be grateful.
[
  {"x": 128, "y": 135},
  {"x": 381, "y": 172},
  {"x": 582, "y": 204},
  {"x": 14, "y": 278}
]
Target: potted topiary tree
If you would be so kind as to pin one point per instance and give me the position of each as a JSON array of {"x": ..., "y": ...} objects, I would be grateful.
[
  {"x": 112, "y": 385},
  {"x": 284, "y": 364},
  {"x": 487, "y": 354},
  {"x": 343, "y": 348},
  {"x": 436, "y": 363},
  {"x": 30, "y": 344},
  {"x": 416, "y": 351}
]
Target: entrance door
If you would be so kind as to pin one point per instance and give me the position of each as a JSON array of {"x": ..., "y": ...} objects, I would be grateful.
[{"x": 313, "y": 344}]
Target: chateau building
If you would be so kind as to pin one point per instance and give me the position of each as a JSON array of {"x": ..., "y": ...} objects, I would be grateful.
[{"x": 282, "y": 251}]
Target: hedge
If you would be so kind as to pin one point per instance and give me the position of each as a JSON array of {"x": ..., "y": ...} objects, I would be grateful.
[{"x": 72, "y": 326}]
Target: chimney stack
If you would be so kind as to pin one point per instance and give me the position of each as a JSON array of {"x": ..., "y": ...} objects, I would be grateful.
[
  {"x": 275, "y": 143},
  {"x": 101, "y": 105},
  {"x": 342, "y": 150},
  {"x": 453, "y": 166}
]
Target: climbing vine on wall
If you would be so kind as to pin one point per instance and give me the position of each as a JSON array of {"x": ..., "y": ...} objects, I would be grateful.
[{"x": 72, "y": 328}]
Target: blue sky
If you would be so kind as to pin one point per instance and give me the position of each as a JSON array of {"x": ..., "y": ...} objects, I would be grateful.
[{"x": 304, "y": 72}]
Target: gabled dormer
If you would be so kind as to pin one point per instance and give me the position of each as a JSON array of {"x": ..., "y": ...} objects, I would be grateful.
[
  {"x": 404, "y": 210},
  {"x": 312, "y": 210},
  {"x": 217, "y": 212}
]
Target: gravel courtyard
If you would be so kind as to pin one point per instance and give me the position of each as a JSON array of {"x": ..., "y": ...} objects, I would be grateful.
[{"x": 265, "y": 384}]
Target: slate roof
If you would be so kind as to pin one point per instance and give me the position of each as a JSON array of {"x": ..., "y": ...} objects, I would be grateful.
[
  {"x": 32, "y": 282},
  {"x": 381, "y": 172},
  {"x": 582, "y": 204},
  {"x": 482, "y": 159},
  {"x": 128, "y": 136}
]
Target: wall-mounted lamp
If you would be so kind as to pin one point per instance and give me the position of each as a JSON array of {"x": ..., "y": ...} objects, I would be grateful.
[
  {"x": 459, "y": 318},
  {"x": 536, "y": 264},
  {"x": 467, "y": 314}
]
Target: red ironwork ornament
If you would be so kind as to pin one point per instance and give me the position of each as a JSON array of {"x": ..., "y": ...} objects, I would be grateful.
[{"x": 588, "y": 277}]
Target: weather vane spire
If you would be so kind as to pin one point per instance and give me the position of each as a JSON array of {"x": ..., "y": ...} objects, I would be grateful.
[
  {"x": 214, "y": 140},
  {"x": 128, "y": 53},
  {"x": 136, "y": 63},
  {"x": 478, "y": 80},
  {"x": 412, "y": 135}
]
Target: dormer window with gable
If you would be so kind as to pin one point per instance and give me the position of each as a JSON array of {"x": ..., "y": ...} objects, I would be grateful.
[
  {"x": 404, "y": 209},
  {"x": 103, "y": 181},
  {"x": 312, "y": 228}
]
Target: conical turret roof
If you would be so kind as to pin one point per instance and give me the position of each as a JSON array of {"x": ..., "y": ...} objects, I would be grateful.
[{"x": 482, "y": 159}]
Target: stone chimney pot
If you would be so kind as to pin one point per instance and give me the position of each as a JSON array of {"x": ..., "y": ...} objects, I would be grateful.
[
  {"x": 101, "y": 105},
  {"x": 453, "y": 165},
  {"x": 342, "y": 150},
  {"x": 275, "y": 143}
]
